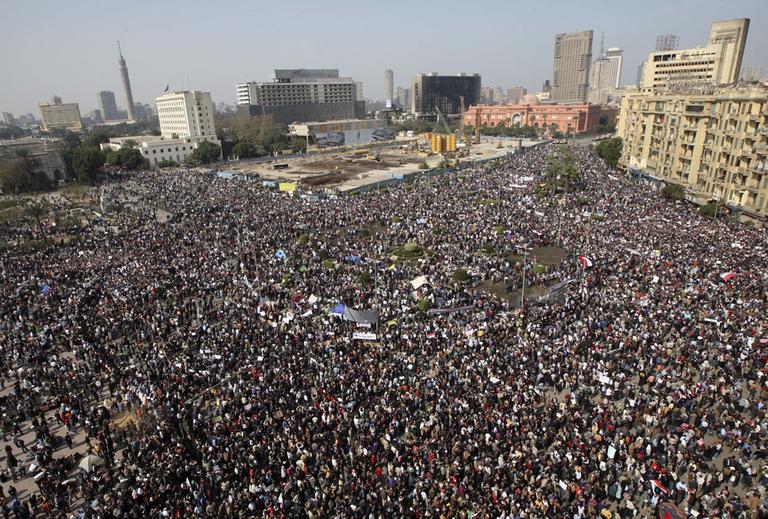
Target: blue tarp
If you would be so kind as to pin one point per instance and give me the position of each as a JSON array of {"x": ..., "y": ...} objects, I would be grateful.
[
  {"x": 353, "y": 260},
  {"x": 45, "y": 289},
  {"x": 338, "y": 309},
  {"x": 280, "y": 254}
]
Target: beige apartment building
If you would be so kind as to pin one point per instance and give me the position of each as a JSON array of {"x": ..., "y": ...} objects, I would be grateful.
[
  {"x": 719, "y": 62},
  {"x": 58, "y": 115},
  {"x": 712, "y": 142}
]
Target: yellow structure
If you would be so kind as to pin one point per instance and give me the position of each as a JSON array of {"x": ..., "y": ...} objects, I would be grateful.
[
  {"x": 288, "y": 187},
  {"x": 713, "y": 143},
  {"x": 440, "y": 143}
]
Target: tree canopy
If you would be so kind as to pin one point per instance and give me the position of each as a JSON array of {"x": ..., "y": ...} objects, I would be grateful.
[
  {"x": 206, "y": 152},
  {"x": 87, "y": 161},
  {"x": 610, "y": 150},
  {"x": 127, "y": 158}
]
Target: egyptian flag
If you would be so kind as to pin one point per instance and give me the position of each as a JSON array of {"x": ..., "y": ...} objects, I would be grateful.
[
  {"x": 656, "y": 484},
  {"x": 727, "y": 276},
  {"x": 585, "y": 262}
]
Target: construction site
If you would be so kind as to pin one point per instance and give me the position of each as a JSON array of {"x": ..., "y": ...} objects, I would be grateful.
[{"x": 350, "y": 168}]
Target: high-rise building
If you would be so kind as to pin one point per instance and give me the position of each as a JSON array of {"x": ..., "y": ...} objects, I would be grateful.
[
  {"x": 515, "y": 94},
  {"x": 639, "y": 78},
  {"x": 300, "y": 95},
  {"x": 58, "y": 115},
  {"x": 752, "y": 73},
  {"x": 573, "y": 58},
  {"x": 404, "y": 97},
  {"x": 486, "y": 95},
  {"x": 107, "y": 105},
  {"x": 126, "y": 84},
  {"x": 186, "y": 121},
  {"x": 498, "y": 94},
  {"x": 606, "y": 76},
  {"x": 7, "y": 119},
  {"x": 667, "y": 42},
  {"x": 389, "y": 85},
  {"x": 718, "y": 63},
  {"x": 359, "y": 95},
  {"x": 714, "y": 142},
  {"x": 187, "y": 113},
  {"x": 547, "y": 87},
  {"x": 433, "y": 92}
]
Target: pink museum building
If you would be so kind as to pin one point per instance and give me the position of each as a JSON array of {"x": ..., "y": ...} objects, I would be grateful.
[{"x": 573, "y": 118}]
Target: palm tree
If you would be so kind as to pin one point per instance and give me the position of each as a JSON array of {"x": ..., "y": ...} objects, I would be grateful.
[{"x": 37, "y": 211}]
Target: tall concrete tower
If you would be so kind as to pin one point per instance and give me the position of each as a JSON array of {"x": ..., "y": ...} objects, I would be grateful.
[
  {"x": 389, "y": 78},
  {"x": 126, "y": 84}
]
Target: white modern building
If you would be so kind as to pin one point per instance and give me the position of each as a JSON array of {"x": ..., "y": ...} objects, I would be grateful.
[
  {"x": 606, "y": 76},
  {"x": 186, "y": 113},
  {"x": 718, "y": 63},
  {"x": 186, "y": 120}
]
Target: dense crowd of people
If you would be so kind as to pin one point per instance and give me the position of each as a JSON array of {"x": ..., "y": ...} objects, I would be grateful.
[{"x": 200, "y": 358}]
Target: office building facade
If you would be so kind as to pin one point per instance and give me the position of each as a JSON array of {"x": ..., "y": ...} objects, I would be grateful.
[
  {"x": 515, "y": 94},
  {"x": 714, "y": 143},
  {"x": 573, "y": 60},
  {"x": 404, "y": 97},
  {"x": 108, "y": 106},
  {"x": 433, "y": 92},
  {"x": 58, "y": 115},
  {"x": 301, "y": 95},
  {"x": 187, "y": 113},
  {"x": 606, "y": 76},
  {"x": 186, "y": 121},
  {"x": 7, "y": 119},
  {"x": 667, "y": 42},
  {"x": 717, "y": 63}
]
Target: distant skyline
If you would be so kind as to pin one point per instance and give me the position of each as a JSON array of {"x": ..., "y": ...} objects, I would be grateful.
[{"x": 70, "y": 50}]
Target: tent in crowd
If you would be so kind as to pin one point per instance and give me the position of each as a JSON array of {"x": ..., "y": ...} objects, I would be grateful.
[{"x": 357, "y": 316}]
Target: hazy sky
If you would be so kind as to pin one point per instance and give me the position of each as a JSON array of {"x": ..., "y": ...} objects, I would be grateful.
[{"x": 68, "y": 48}]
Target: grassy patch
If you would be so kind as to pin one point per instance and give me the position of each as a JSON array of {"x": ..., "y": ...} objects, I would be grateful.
[
  {"x": 461, "y": 275},
  {"x": 13, "y": 213},
  {"x": 408, "y": 251},
  {"x": 303, "y": 239},
  {"x": 7, "y": 204},
  {"x": 539, "y": 269},
  {"x": 328, "y": 263},
  {"x": 422, "y": 305}
]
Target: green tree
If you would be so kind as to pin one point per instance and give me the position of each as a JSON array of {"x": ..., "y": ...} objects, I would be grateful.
[
  {"x": 126, "y": 157},
  {"x": 87, "y": 162},
  {"x": 610, "y": 150},
  {"x": 206, "y": 152},
  {"x": 12, "y": 178},
  {"x": 709, "y": 209},
  {"x": 244, "y": 150},
  {"x": 673, "y": 192}
]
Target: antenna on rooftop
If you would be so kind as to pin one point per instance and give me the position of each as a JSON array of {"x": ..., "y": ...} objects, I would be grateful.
[
  {"x": 602, "y": 46},
  {"x": 119, "y": 49}
]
